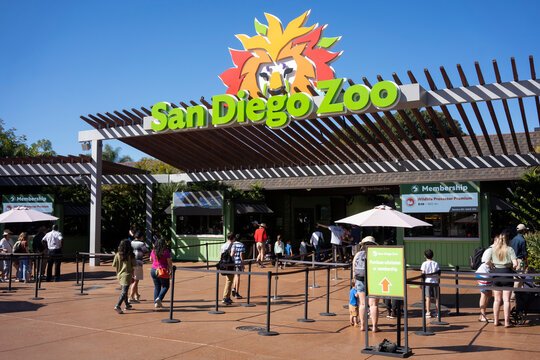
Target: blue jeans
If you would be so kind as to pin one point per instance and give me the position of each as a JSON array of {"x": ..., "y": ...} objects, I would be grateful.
[
  {"x": 161, "y": 286},
  {"x": 24, "y": 268}
]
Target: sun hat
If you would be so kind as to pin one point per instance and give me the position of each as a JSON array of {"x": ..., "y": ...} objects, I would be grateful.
[
  {"x": 7, "y": 232},
  {"x": 255, "y": 222},
  {"x": 521, "y": 227},
  {"x": 368, "y": 239},
  {"x": 263, "y": 225}
]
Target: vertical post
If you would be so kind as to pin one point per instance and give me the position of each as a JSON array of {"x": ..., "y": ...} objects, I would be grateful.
[
  {"x": 36, "y": 297},
  {"x": 438, "y": 321},
  {"x": 217, "y": 311},
  {"x": 170, "y": 320},
  {"x": 314, "y": 286},
  {"x": 76, "y": 269},
  {"x": 248, "y": 304},
  {"x": 10, "y": 290},
  {"x": 268, "y": 302},
  {"x": 95, "y": 201},
  {"x": 457, "y": 290},
  {"x": 276, "y": 297},
  {"x": 305, "y": 319},
  {"x": 41, "y": 259},
  {"x": 335, "y": 261},
  {"x": 327, "y": 313},
  {"x": 82, "y": 277},
  {"x": 207, "y": 266},
  {"x": 148, "y": 202},
  {"x": 424, "y": 331}
]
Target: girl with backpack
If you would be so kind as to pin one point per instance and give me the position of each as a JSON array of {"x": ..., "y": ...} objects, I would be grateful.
[
  {"x": 359, "y": 266},
  {"x": 161, "y": 268},
  {"x": 124, "y": 262}
]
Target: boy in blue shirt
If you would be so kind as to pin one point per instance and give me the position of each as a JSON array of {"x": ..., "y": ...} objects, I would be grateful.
[
  {"x": 288, "y": 252},
  {"x": 353, "y": 305}
]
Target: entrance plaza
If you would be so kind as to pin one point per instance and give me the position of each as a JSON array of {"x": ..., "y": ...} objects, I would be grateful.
[{"x": 66, "y": 326}]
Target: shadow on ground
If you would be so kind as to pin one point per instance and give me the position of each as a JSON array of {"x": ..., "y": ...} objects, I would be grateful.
[{"x": 18, "y": 306}]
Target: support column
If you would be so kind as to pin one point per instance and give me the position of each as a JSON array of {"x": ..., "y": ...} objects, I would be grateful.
[
  {"x": 149, "y": 191},
  {"x": 95, "y": 201}
]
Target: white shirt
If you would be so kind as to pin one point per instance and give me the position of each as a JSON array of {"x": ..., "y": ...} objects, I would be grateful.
[
  {"x": 303, "y": 248},
  {"x": 430, "y": 267},
  {"x": 316, "y": 237},
  {"x": 54, "y": 240},
  {"x": 7, "y": 245},
  {"x": 337, "y": 233},
  {"x": 225, "y": 246}
]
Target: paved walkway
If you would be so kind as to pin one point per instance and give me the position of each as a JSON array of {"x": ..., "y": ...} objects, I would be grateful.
[{"x": 66, "y": 326}]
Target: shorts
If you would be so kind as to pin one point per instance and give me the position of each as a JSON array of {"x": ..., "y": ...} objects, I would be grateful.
[
  {"x": 138, "y": 273},
  {"x": 239, "y": 267},
  {"x": 353, "y": 310},
  {"x": 260, "y": 246},
  {"x": 486, "y": 291},
  {"x": 506, "y": 281},
  {"x": 360, "y": 286},
  {"x": 431, "y": 291}
]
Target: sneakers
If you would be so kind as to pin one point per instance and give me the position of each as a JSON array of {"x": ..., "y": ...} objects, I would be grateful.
[
  {"x": 134, "y": 301},
  {"x": 238, "y": 296},
  {"x": 226, "y": 301},
  {"x": 428, "y": 316},
  {"x": 234, "y": 292},
  {"x": 157, "y": 303},
  {"x": 118, "y": 310},
  {"x": 128, "y": 307}
]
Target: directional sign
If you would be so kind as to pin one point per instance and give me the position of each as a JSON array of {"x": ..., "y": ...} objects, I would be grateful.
[{"x": 385, "y": 271}]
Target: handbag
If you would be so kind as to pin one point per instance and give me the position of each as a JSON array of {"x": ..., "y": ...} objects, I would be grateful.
[{"x": 162, "y": 273}]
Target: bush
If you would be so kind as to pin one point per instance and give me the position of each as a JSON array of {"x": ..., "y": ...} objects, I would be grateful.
[{"x": 533, "y": 247}]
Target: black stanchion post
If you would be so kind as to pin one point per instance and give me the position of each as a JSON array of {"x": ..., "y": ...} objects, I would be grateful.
[
  {"x": 424, "y": 331},
  {"x": 217, "y": 311},
  {"x": 76, "y": 269},
  {"x": 35, "y": 261},
  {"x": 9, "y": 290},
  {"x": 457, "y": 290},
  {"x": 314, "y": 286},
  {"x": 248, "y": 304},
  {"x": 438, "y": 321},
  {"x": 36, "y": 297},
  {"x": 268, "y": 302},
  {"x": 82, "y": 278},
  {"x": 207, "y": 266},
  {"x": 327, "y": 313},
  {"x": 170, "y": 320},
  {"x": 305, "y": 319},
  {"x": 41, "y": 257}
]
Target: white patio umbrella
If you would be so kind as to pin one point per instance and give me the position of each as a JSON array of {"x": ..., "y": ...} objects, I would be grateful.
[
  {"x": 383, "y": 215},
  {"x": 22, "y": 214}
]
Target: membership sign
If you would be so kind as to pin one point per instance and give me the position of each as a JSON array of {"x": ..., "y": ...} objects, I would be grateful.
[{"x": 386, "y": 271}]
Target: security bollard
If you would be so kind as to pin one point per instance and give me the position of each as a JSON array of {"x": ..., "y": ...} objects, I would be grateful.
[
  {"x": 170, "y": 320},
  {"x": 248, "y": 304},
  {"x": 305, "y": 319},
  {"x": 327, "y": 313},
  {"x": 424, "y": 331},
  {"x": 217, "y": 311},
  {"x": 268, "y": 302},
  {"x": 82, "y": 278}
]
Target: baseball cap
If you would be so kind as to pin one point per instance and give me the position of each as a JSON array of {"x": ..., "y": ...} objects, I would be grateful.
[{"x": 521, "y": 227}]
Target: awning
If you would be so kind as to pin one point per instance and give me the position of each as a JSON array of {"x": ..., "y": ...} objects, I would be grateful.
[
  {"x": 194, "y": 210},
  {"x": 197, "y": 203},
  {"x": 252, "y": 208}
]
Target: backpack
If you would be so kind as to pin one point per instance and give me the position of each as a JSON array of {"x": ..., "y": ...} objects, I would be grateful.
[
  {"x": 226, "y": 262},
  {"x": 476, "y": 257},
  {"x": 17, "y": 248},
  {"x": 360, "y": 266}
]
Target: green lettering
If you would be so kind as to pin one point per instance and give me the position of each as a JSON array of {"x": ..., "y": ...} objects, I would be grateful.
[
  {"x": 256, "y": 110},
  {"x": 276, "y": 117},
  {"x": 223, "y": 109},
  {"x": 159, "y": 112},
  {"x": 299, "y": 105},
  {"x": 177, "y": 118},
  {"x": 243, "y": 95},
  {"x": 356, "y": 97},
  {"x": 333, "y": 90},
  {"x": 197, "y": 113},
  {"x": 385, "y": 94}
]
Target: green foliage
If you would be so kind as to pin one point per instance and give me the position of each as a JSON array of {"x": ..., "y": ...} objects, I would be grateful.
[
  {"x": 163, "y": 194},
  {"x": 12, "y": 145},
  {"x": 113, "y": 154},
  {"x": 156, "y": 166},
  {"x": 525, "y": 199},
  {"x": 533, "y": 247}
]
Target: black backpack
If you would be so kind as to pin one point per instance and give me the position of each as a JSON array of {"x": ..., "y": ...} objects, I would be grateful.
[
  {"x": 226, "y": 262},
  {"x": 476, "y": 257}
]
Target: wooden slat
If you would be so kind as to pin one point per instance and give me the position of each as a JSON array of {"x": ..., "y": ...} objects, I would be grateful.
[
  {"x": 127, "y": 120},
  {"x": 110, "y": 122},
  {"x": 506, "y": 109},
  {"x": 349, "y": 156},
  {"x": 101, "y": 123},
  {"x": 533, "y": 77},
  {"x": 90, "y": 122},
  {"x": 370, "y": 139},
  {"x": 343, "y": 136},
  {"x": 326, "y": 144},
  {"x": 462, "y": 113},
  {"x": 522, "y": 108},
  {"x": 323, "y": 155},
  {"x": 257, "y": 146},
  {"x": 491, "y": 110},
  {"x": 283, "y": 157},
  {"x": 373, "y": 157},
  {"x": 307, "y": 145},
  {"x": 276, "y": 141}
]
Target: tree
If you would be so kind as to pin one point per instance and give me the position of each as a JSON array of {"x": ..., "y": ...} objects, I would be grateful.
[
  {"x": 12, "y": 145},
  {"x": 156, "y": 166},
  {"x": 113, "y": 154},
  {"x": 524, "y": 197}
]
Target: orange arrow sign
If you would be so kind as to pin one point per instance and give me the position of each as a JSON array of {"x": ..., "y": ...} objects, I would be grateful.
[{"x": 385, "y": 285}]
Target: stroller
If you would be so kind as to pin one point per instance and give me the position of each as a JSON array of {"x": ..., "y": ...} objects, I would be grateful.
[{"x": 526, "y": 303}]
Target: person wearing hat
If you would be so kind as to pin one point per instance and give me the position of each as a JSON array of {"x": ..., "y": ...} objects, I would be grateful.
[
  {"x": 519, "y": 245},
  {"x": 6, "y": 246},
  {"x": 359, "y": 270}
]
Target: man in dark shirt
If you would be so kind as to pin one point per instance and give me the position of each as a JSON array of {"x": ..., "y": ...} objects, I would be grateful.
[
  {"x": 38, "y": 247},
  {"x": 519, "y": 245}
]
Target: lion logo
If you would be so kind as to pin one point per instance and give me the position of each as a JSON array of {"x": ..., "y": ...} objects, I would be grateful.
[{"x": 278, "y": 61}]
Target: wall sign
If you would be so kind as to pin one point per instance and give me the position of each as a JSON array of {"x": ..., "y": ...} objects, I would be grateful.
[
  {"x": 38, "y": 202},
  {"x": 439, "y": 197}
]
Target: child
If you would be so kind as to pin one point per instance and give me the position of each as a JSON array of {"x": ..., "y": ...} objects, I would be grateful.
[
  {"x": 279, "y": 250},
  {"x": 485, "y": 295},
  {"x": 303, "y": 249},
  {"x": 430, "y": 267},
  {"x": 353, "y": 304},
  {"x": 288, "y": 252},
  {"x": 124, "y": 262}
]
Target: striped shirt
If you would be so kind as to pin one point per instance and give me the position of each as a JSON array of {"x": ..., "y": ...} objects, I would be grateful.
[{"x": 238, "y": 248}]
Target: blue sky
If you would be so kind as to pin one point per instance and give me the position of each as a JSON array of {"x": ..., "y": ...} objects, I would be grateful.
[{"x": 63, "y": 59}]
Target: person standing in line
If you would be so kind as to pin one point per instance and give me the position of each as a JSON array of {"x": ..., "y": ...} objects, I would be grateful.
[
  {"x": 519, "y": 244},
  {"x": 124, "y": 263},
  {"x": 316, "y": 241},
  {"x": 6, "y": 247},
  {"x": 356, "y": 234},
  {"x": 303, "y": 250},
  {"x": 279, "y": 250},
  {"x": 503, "y": 258},
  {"x": 161, "y": 259},
  {"x": 139, "y": 249},
  {"x": 430, "y": 267},
  {"x": 485, "y": 295},
  {"x": 260, "y": 240},
  {"x": 38, "y": 247},
  {"x": 54, "y": 240},
  {"x": 336, "y": 240},
  {"x": 359, "y": 267},
  {"x": 237, "y": 252},
  {"x": 353, "y": 304},
  {"x": 226, "y": 248},
  {"x": 288, "y": 252},
  {"x": 25, "y": 268}
]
